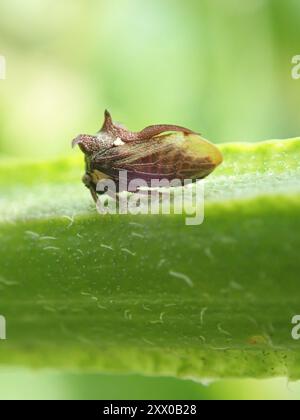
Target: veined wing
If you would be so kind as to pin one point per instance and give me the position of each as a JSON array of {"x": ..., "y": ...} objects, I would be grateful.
[{"x": 169, "y": 156}]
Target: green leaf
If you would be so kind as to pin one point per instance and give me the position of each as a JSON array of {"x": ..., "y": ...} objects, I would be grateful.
[{"x": 147, "y": 293}]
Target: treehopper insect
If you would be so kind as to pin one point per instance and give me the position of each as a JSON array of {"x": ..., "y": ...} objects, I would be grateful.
[{"x": 157, "y": 152}]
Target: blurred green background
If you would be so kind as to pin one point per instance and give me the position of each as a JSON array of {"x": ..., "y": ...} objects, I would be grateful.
[{"x": 221, "y": 67}]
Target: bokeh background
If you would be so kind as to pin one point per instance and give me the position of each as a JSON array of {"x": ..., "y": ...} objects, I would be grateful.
[{"x": 221, "y": 67}]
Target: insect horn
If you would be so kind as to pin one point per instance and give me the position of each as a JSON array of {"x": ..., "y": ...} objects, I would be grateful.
[
  {"x": 88, "y": 144},
  {"x": 76, "y": 141},
  {"x": 154, "y": 130},
  {"x": 108, "y": 122}
]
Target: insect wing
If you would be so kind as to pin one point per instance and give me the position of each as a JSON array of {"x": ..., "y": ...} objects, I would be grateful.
[{"x": 169, "y": 156}]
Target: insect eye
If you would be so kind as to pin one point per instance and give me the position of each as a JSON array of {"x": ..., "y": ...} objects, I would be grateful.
[{"x": 86, "y": 179}]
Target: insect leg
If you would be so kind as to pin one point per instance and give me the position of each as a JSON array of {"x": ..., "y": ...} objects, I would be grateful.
[
  {"x": 94, "y": 194},
  {"x": 87, "y": 180}
]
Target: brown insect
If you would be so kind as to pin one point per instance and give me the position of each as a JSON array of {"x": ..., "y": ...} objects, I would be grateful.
[{"x": 153, "y": 153}]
